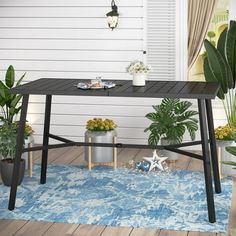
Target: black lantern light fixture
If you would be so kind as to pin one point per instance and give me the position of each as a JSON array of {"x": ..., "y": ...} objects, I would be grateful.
[{"x": 112, "y": 16}]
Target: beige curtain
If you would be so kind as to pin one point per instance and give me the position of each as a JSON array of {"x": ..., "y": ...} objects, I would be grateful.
[{"x": 199, "y": 17}]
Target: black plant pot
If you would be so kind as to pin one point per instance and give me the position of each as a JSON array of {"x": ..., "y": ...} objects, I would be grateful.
[{"x": 6, "y": 168}]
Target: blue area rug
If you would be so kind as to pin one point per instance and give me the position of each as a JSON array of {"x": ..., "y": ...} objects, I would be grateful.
[{"x": 174, "y": 200}]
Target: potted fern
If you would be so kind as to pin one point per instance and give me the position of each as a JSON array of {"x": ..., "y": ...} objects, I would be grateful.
[
  {"x": 10, "y": 107},
  {"x": 170, "y": 121}
]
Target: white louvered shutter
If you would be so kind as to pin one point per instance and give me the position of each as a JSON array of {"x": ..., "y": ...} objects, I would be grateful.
[{"x": 161, "y": 39}]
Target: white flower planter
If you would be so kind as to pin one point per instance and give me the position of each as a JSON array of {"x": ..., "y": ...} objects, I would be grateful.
[{"x": 139, "y": 79}]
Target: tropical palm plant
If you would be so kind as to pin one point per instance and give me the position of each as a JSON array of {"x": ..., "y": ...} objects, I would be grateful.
[
  {"x": 220, "y": 66},
  {"x": 171, "y": 119},
  {"x": 9, "y": 103}
]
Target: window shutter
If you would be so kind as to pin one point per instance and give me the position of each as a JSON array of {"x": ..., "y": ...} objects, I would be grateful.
[{"x": 161, "y": 18}]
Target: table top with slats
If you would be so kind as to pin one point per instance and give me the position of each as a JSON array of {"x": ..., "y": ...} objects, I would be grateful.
[{"x": 123, "y": 88}]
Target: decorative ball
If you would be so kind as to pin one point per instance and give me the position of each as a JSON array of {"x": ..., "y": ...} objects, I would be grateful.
[
  {"x": 146, "y": 166},
  {"x": 138, "y": 165}
]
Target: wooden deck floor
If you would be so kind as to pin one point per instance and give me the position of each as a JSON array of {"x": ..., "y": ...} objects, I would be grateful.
[{"x": 75, "y": 156}]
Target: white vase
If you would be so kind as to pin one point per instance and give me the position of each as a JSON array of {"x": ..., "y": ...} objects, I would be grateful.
[{"x": 139, "y": 79}]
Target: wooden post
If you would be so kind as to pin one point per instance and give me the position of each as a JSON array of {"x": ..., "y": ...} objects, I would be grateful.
[
  {"x": 219, "y": 151},
  {"x": 89, "y": 154},
  {"x": 114, "y": 153},
  {"x": 30, "y": 161}
]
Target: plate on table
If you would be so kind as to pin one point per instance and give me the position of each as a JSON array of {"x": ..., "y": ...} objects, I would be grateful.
[{"x": 97, "y": 85}]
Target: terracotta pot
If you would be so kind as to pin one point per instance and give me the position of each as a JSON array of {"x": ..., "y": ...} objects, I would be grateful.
[{"x": 6, "y": 168}]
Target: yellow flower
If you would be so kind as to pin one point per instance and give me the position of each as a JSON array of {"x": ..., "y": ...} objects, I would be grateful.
[
  {"x": 224, "y": 132},
  {"x": 98, "y": 124}
]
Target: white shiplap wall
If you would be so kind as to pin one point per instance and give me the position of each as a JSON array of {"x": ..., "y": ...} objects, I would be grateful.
[{"x": 70, "y": 39}]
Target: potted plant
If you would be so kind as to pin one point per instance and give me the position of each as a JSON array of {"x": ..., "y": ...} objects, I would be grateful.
[
  {"x": 139, "y": 71},
  {"x": 171, "y": 119},
  {"x": 100, "y": 131},
  {"x": 8, "y": 135},
  {"x": 220, "y": 66},
  {"x": 9, "y": 127}
]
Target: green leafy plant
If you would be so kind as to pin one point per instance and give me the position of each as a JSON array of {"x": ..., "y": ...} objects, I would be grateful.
[
  {"x": 8, "y": 135},
  {"x": 9, "y": 102},
  {"x": 10, "y": 107},
  {"x": 8, "y": 140},
  {"x": 220, "y": 66},
  {"x": 171, "y": 119}
]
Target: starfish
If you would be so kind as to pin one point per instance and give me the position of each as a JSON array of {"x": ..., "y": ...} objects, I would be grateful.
[{"x": 155, "y": 161}]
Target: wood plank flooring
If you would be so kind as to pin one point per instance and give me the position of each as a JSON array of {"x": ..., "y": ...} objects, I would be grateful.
[{"x": 74, "y": 156}]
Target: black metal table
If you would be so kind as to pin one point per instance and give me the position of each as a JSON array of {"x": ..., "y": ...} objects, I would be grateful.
[{"x": 202, "y": 91}]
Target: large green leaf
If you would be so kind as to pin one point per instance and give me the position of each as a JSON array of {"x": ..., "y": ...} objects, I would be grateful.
[
  {"x": 151, "y": 116},
  {"x": 2, "y": 90},
  {"x": 21, "y": 78},
  {"x": 182, "y": 106},
  {"x": 219, "y": 66},
  {"x": 230, "y": 163},
  {"x": 175, "y": 135},
  {"x": 186, "y": 115},
  {"x": 210, "y": 77},
  {"x": 16, "y": 100},
  {"x": 231, "y": 48},
  {"x": 10, "y": 76},
  {"x": 231, "y": 150},
  {"x": 221, "y": 42},
  {"x": 153, "y": 138},
  {"x": 192, "y": 127},
  {"x": 168, "y": 104}
]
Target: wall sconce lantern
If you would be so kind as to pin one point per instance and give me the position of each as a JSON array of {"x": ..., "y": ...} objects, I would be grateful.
[{"x": 112, "y": 16}]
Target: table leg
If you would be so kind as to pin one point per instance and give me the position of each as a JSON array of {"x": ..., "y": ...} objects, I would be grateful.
[
  {"x": 206, "y": 161},
  {"x": 47, "y": 117},
  {"x": 214, "y": 158},
  {"x": 19, "y": 146}
]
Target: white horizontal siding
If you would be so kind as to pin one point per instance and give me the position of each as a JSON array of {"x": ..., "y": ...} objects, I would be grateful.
[
  {"x": 62, "y": 55},
  {"x": 69, "y": 44},
  {"x": 68, "y": 3},
  {"x": 66, "y": 11},
  {"x": 161, "y": 24},
  {"x": 68, "y": 23},
  {"x": 70, "y": 39}
]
